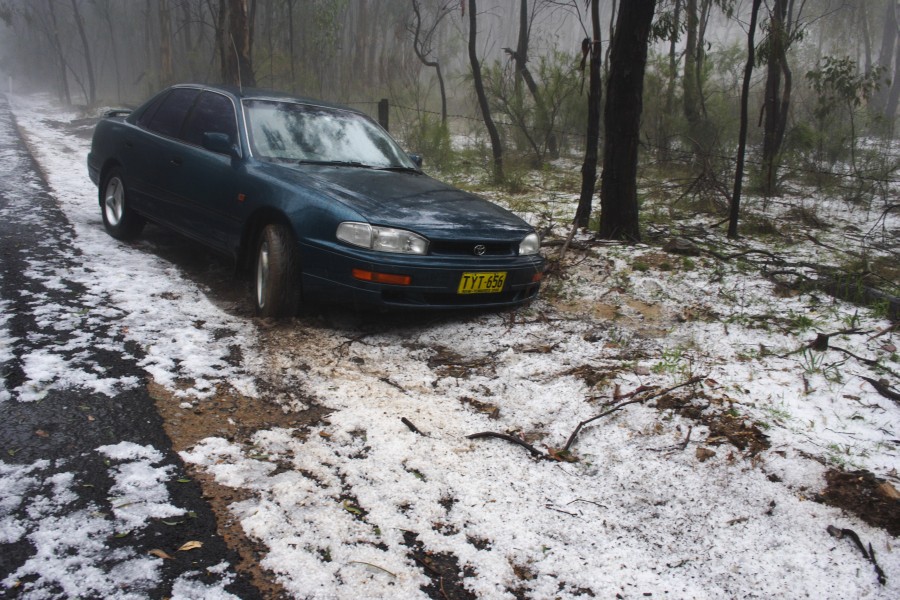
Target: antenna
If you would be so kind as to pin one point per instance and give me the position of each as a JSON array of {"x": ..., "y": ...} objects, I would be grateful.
[{"x": 237, "y": 62}]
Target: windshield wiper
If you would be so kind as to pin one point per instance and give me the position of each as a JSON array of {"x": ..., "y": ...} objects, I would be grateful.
[
  {"x": 400, "y": 168},
  {"x": 335, "y": 163}
]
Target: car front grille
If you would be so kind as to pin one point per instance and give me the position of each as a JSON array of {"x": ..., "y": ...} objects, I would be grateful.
[{"x": 439, "y": 248}]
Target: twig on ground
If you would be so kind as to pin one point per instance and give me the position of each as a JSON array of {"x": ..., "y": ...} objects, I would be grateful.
[
  {"x": 412, "y": 427},
  {"x": 621, "y": 405},
  {"x": 509, "y": 438},
  {"x": 883, "y": 389},
  {"x": 870, "y": 555}
]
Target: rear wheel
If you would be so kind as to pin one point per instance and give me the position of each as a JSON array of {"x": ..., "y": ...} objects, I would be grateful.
[
  {"x": 119, "y": 219},
  {"x": 276, "y": 281}
]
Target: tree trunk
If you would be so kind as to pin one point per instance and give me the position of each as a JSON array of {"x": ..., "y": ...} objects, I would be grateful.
[
  {"x": 664, "y": 141},
  {"x": 88, "y": 64},
  {"x": 776, "y": 101},
  {"x": 890, "y": 111},
  {"x": 61, "y": 57},
  {"x": 482, "y": 97},
  {"x": 290, "y": 19},
  {"x": 235, "y": 43},
  {"x": 886, "y": 56},
  {"x": 521, "y": 56},
  {"x": 422, "y": 49},
  {"x": 595, "y": 94},
  {"x": 166, "y": 74},
  {"x": 735, "y": 208},
  {"x": 624, "y": 93}
]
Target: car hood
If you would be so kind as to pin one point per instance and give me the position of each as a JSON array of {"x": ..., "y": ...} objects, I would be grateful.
[{"x": 417, "y": 202}]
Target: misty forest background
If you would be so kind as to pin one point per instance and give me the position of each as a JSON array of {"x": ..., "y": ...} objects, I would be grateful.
[{"x": 712, "y": 99}]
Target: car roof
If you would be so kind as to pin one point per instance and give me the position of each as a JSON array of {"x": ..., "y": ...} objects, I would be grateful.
[{"x": 244, "y": 93}]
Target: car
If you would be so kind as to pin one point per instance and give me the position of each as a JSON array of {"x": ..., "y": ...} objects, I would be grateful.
[{"x": 315, "y": 200}]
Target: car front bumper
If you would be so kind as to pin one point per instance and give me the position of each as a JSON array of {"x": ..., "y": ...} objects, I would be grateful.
[{"x": 434, "y": 281}]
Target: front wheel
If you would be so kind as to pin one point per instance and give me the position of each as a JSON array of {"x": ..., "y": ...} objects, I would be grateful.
[
  {"x": 276, "y": 274},
  {"x": 119, "y": 219}
]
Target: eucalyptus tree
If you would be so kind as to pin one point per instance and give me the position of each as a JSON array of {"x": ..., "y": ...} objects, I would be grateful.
[{"x": 622, "y": 119}]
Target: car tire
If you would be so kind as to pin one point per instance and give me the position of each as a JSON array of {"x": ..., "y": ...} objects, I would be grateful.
[
  {"x": 120, "y": 221},
  {"x": 276, "y": 274}
]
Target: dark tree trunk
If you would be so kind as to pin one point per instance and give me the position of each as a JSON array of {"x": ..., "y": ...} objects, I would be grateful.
[
  {"x": 595, "y": 93},
  {"x": 777, "y": 100},
  {"x": 422, "y": 48},
  {"x": 521, "y": 55},
  {"x": 689, "y": 83},
  {"x": 88, "y": 64},
  {"x": 496, "y": 147},
  {"x": 890, "y": 111},
  {"x": 735, "y": 208},
  {"x": 65, "y": 94},
  {"x": 235, "y": 43},
  {"x": 166, "y": 74},
  {"x": 624, "y": 93},
  {"x": 664, "y": 141},
  {"x": 290, "y": 18}
]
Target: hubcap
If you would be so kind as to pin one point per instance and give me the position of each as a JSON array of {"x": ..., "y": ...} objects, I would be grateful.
[
  {"x": 114, "y": 201},
  {"x": 262, "y": 273}
]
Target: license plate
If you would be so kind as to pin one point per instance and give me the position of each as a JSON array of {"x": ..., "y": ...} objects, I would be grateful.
[{"x": 482, "y": 283}]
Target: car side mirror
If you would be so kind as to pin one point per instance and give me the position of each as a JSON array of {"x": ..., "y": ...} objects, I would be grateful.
[
  {"x": 417, "y": 159},
  {"x": 219, "y": 143}
]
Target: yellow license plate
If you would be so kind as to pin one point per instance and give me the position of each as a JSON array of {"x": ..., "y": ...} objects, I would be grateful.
[{"x": 481, "y": 283}]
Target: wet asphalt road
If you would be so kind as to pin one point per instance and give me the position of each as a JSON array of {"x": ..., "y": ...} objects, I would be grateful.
[{"x": 46, "y": 311}]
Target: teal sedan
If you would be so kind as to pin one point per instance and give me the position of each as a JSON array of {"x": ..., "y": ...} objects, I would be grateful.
[{"x": 315, "y": 200}]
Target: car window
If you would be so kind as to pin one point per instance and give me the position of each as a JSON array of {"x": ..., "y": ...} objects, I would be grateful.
[
  {"x": 170, "y": 115},
  {"x": 212, "y": 113},
  {"x": 306, "y": 133}
]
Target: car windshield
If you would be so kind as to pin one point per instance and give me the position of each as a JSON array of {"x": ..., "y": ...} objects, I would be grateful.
[{"x": 290, "y": 131}]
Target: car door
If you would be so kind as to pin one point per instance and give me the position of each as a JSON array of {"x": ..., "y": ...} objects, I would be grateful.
[
  {"x": 158, "y": 162},
  {"x": 206, "y": 187}
]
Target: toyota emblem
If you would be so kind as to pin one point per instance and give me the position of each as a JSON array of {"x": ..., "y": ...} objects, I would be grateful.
[{"x": 479, "y": 249}]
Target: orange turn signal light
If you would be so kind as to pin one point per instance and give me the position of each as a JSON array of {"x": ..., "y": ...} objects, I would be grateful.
[
  {"x": 381, "y": 277},
  {"x": 537, "y": 277}
]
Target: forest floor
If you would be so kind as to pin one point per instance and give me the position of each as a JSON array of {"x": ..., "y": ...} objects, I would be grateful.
[{"x": 690, "y": 419}]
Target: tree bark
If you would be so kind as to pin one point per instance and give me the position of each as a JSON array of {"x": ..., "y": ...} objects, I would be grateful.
[
  {"x": 777, "y": 100},
  {"x": 61, "y": 57},
  {"x": 235, "y": 43},
  {"x": 422, "y": 48},
  {"x": 496, "y": 147},
  {"x": 88, "y": 64},
  {"x": 624, "y": 93},
  {"x": 886, "y": 56},
  {"x": 592, "y": 145},
  {"x": 166, "y": 74},
  {"x": 735, "y": 208}
]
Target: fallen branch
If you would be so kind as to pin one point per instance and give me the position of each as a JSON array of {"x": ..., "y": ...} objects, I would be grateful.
[
  {"x": 621, "y": 405},
  {"x": 509, "y": 438},
  {"x": 870, "y": 555},
  {"x": 412, "y": 427},
  {"x": 883, "y": 389}
]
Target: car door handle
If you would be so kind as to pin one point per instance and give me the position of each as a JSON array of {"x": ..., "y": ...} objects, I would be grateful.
[{"x": 176, "y": 161}]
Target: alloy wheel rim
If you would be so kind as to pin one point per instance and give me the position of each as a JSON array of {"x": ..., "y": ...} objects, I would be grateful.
[
  {"x": 262, "y": 274},
  {"x": 114, "y": 201}
]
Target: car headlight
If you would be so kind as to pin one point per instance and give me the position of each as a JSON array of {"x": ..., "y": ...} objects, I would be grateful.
[
  {"x": 530, "y": 245},
  {"x": 382, "y": 239}
]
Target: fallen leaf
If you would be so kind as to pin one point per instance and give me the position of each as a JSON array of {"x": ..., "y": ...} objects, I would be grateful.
[
  {"x": 160, "y": 554},
  {"x": 324, "y": 434},
  {"x": 888, "y": 491},
  {"x": 192, "y": 545},
  {"x": 704, "y": 453},
  {"x": 889, "y": 348},
  {"x": 348, "y": 506},
  {"x": 41, "y": 433}
]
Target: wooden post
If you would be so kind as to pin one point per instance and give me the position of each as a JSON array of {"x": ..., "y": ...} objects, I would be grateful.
[{"x": 383, "y": 113}]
